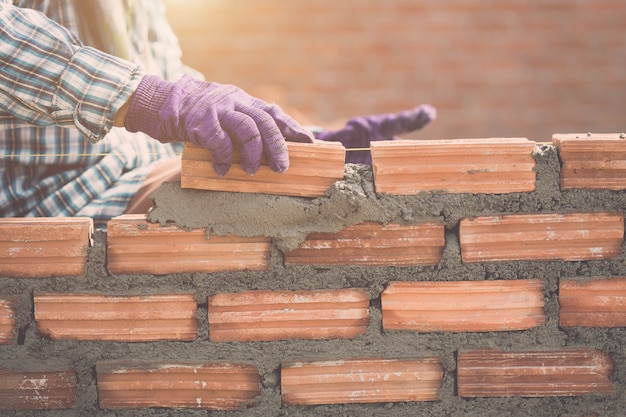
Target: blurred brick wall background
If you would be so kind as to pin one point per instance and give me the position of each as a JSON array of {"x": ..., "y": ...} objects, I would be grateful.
[{"x": 492, "y": 68}]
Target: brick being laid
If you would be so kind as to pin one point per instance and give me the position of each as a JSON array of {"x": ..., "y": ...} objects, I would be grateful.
[
  {"x": 592, "y": 302},
  {"x": 127, "y": 318},
  {"x": 8, "y": 323},
  {"x": 541, "y": 236},
  {"x": 476, "y": 166},
  {"x": 207, "y": 386},
  {"x": 29, "y": 385},
  {"x": 363, "y": 380},
  {"x": 565, "y": 372},
  {"x": 592, "y": 161},
  {"x": 44, "y": 247},
  {"x": 135, "y": 246},
  {"x": 281, "y": 315},
  {"x": 464, "y": 306},
  {"x": 373, "y": 244},
  {"x": 313, "y": 168}
]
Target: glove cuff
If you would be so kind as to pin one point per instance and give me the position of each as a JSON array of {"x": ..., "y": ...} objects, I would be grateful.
[{"x": 143, "y": 111}]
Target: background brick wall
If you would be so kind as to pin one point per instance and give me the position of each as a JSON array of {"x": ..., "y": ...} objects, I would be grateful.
[{"x": 492, "y": 68}]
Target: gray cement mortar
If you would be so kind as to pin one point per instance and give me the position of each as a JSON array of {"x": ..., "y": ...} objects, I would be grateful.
[{"x": 287, "y": 220}]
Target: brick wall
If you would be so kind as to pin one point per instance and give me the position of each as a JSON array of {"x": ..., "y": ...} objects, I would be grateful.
[
  {"x": 499, "y": 303},
  {"x": 492, "y": 68}
]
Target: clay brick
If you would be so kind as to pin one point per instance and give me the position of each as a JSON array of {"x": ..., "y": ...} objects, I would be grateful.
[
  {"x": 209, "y": 386},
  {"x": 596, "y": 161},
  {"x": 489, "y": 166},
  {"x": 136, "y": 246},
  {"x": 367, "y": 380},
  {"x": 570, "y": 237},
  {"x": 25, "y": 385},
  {"x": 567, "y": 372},
  {"x": 593, "y": 302},
  {"x": 136, "y": 318},
  {"x": 463, "y": 306},
  {"x": 7, "y": 320},
  {"x": 373, "y": 244},
  {"x": 314, "y": 167},
  {"x": 44, "y": 247},
  {"x": 279, "y": 315}
]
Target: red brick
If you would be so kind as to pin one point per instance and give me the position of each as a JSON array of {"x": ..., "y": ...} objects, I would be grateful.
[
  {"x": 137, "y": 318},
  {"x": 136, "y": 246},
  {"x": 366, "y": 380},
  {"x": 463, "y": 306},
  {"x": 593, "y": 302},
  {"x": 313, "y": 168},
  {"x": 7, "y": 320},
  {"x": 25, "y": 385},
  {"x": 596, "y": 161},
  {"x": 537, "y": 236},
  {"x": 490, "y": 166},
  {"x": 208, "y": 386},
  {"x": 373, "y": 244},
  {"x": 566, "y": 372},
  {"x": 44, "y": 247},
  {"x": 279, "y": 315}
]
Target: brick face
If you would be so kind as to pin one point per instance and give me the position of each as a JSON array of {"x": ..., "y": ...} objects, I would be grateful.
[
  {"x": 593, "y": 302},
  {"x": 7, "y": 320}
]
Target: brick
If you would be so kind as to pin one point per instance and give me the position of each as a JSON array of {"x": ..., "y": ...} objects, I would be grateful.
[
  {"x": 592, "y": 302},
  {"x": 553, "y": 236},
  {"x": 313, "y": 168},
  {"x": 36, "y": 386},
  {"x": 373, "y": 244},
  {"x": 280, "y": 315},
  {"x": 208, "y": 386},
  {"x": 136, "y": 246},
  {"x": 567, "y": 372},
  {"x": 464, "y": 306},
  {"x": 8, "y": 324},
  {"x": 44, "y": 247},
  {"x": 596, "y": 161},
  {"x": 367, "y": 380},
  {"x": 136, "y": 318},
  {"x": 476, "y": 166}
]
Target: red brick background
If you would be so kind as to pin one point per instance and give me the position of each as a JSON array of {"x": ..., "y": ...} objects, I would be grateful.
[{"x": 492, "y": 68}]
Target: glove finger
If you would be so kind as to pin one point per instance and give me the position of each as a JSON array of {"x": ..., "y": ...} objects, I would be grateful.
[
  {"x": 407, "y": 121},
  {"x": 290, "y": 129},
  {"x": 246, "y": 138},
  {"x": 218, "y": 142},
  {"x": 274, "y": 145}
]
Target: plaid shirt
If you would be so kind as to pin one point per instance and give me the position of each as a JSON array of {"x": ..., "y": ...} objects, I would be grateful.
[{"x": 59, "y": 154}]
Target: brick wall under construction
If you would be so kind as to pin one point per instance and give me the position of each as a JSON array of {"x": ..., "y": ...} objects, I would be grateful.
[{"x": 495, "y": 287}]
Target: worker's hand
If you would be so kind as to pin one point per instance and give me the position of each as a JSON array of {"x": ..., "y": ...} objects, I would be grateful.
[
  {"x": 217, "y": 117},
  {"x": 359, "y": 132}
]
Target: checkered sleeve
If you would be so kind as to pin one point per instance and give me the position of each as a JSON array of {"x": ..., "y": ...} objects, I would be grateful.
[{"x": 48, "y": 77}]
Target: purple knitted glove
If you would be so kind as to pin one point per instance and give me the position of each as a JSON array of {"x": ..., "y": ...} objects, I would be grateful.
[
  {"x": 360, "y": 131},
  {"x": 217, "y": 117}
]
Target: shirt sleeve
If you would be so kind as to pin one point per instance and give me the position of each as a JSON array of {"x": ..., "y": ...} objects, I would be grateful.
[{"x": 48, "y": 77}]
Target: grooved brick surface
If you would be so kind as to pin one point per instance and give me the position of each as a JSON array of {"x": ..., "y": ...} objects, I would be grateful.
[
  {"x": 365, "y": 380},
  {"x": 44, "y": 247},
  {"x": 537, "y": 236},
  {"x": 28, "y": 387},
  {"x": 491, "y": 166},
  {"x": 7, "y": 320},
  {"x": 592, "y": 302},
  {"x": 313, "y": 167},
  {"x": 567, "y": 372},
  {"x": 472, "y": 306},
  {"x": 373, "y": 244},
  {"x": 592, "y": 161},
  {"x": 116, "y": 318},
  {"x": 209, "y": 386},
  {"x": 277, "y": 315},
  {"x": 138, "y": 246}
]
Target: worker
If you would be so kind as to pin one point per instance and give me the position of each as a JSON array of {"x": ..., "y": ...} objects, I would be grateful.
[{"x": 95, "y": 104}]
